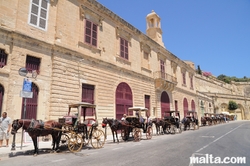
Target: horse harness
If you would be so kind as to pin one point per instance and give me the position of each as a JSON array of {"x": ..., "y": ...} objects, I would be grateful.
[{"x": 35, "y": 124}]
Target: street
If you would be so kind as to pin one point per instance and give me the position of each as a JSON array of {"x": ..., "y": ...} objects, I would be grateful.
[{"x": 223, "y": 140}]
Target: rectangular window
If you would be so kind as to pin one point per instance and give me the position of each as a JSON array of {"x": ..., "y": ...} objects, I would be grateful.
[
  {"x": 184, "y": 78},
  {"x": 88, "y": 96},
  {"x": 145, "y": 55},
  {"x": 33, "y": 63},
  {"x": 124, "y": 48},
  {"x": 191, "y": 82},
  {"x": 3, "y": 58},
  {"x": 162, "y": 64},
  {"x": 38, "y": 15},
  {"x": 176, "y": 105},
  {"x": 91, "y": 33}
]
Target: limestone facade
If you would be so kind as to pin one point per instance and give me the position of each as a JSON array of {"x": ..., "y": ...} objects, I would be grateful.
[{"x": 67, "y": 63}]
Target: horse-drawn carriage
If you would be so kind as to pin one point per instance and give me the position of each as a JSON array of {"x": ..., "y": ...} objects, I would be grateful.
[
  {"x": 216, "y": 119},
  {"x": 138, "y": 120},
  {"x": 69, "y": 130},
  {"x": 207, "y": 119},
  {"x": 172, "y": 122},
  {"x": 82, "y": 128},
  {"x": 169, "y": 123},
  {"x": 191, "y": 121}
]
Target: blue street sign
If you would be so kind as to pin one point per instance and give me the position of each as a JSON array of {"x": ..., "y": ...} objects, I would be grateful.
[{"x": 27, "y": 85}]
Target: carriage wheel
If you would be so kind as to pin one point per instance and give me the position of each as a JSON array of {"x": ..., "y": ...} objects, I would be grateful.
[
  {"x": 133, "y": 131},
  {"x": 168, "y": 129},
  {"x": 123, "y": 135},
  {"x": 98, "y": 138},
  {"x": 137, "y": 135},
  {"x": 173, "y": 129},
  {"x": 64, "y": 140},
  {"x": 180, "y": 127},
  {"x": 194, "y": 126},
  {"x": 75, "y": 142},
  {"x": 198, "y": 127},
  {"x": 149, "y": 132}
]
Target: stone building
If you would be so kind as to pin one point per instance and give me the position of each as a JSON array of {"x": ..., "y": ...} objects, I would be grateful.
[{"x": 82, "y": 51}]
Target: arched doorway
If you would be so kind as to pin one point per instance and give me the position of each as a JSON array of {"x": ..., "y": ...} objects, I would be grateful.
[
  {"x": 185, "y": 106},
  {"x": 31, "y": 104},
  {"x": 124, "y": 99},
  {"x": 165, "y": 104},
  {"x": 1, "y": 98}
]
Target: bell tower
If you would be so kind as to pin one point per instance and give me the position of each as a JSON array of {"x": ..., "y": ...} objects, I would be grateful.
[{"x": 154, "y": 27}]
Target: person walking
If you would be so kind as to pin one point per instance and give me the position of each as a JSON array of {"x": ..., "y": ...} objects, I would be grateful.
[{"x": 5, "y": 126}]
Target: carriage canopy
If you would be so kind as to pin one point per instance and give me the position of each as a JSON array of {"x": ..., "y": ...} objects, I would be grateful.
[
  {"x": 79, "y": 107},
  {"x": 140, "y": 110}
]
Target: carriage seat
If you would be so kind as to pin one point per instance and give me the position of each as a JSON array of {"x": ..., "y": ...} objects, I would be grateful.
[
  {"x": 69, "y": 119},
  {"x": 89, "y": 121}
]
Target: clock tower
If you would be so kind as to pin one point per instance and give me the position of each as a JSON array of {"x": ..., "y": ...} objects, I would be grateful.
[{"x": 154, "y": 27}]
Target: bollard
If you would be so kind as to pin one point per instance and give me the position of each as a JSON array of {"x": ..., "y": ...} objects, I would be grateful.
[{"x": 13, "y": 146}]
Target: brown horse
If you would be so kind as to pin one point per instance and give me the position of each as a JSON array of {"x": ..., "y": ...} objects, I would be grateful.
[
  {"x": 37, "y": 128},
  {"x": 116, "y": 125}
]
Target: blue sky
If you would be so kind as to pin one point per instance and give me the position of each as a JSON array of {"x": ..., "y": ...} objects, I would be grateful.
[{"x": 214, "y": 34}]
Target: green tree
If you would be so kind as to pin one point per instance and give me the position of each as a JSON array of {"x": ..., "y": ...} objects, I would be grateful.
[
  {"x": 228, "y": 79},
  {"x": 224, "y": 78},
  {"x": 232, "y": 105}
]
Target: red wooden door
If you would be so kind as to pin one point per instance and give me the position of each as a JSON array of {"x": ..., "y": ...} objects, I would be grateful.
[
  {"x": 1, "y": 98},
  {"x": 124, "y": 99},
  {"x": 88, "y": 96},
  {"x": 185, "y": 106},
  {"x": 193, "y": 105},
  {"x": 31, "y": 104},
  {"x": 147, "y": 104},
  {"x": 165, "y": 104}
]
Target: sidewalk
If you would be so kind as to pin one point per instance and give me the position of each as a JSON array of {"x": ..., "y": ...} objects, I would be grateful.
[{"x": 28, "y": 148}]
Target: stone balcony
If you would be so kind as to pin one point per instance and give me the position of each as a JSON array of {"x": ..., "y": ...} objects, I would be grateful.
[{"x": 164, "y": 81}]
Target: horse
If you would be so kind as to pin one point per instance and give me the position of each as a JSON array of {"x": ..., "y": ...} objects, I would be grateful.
[
  {"x": 116, "y": 125},
  {"x": 203, "y": 121},
  {"x": 188, "y": 121},
  {"x": 159, "y": 124},
  {"x": 209, "y": 120},
  {"x": 37, "y": 128}
]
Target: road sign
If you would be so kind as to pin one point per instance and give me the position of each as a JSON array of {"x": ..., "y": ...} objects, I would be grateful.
[
  {"x": 23, "y": 71},
  {"x": 27, "y": 85},
  {"x": 26, "y": 94}
]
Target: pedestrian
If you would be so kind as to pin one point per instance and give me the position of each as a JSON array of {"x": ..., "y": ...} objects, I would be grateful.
[
  {"x": 5, "y": 126},
  {"x": 124, "y": 117}
]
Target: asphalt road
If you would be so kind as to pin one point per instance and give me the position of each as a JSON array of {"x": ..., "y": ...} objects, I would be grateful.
[{"x": 211, "y": 142}]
